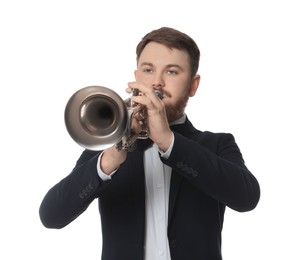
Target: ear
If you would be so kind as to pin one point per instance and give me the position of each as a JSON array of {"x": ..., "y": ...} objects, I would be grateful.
[{"x": 195, "y": 82}]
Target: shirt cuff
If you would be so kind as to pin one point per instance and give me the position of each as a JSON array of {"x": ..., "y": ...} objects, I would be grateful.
[
  {"x": 101, "y": 174},
  {"x": 166, "y": 154}
]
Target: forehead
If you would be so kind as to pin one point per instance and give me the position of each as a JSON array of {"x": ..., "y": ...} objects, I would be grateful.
[{"x": 157, "y": 54}]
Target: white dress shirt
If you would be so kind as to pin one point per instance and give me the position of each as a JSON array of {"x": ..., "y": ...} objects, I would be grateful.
[{"x": 157, "y": 184}]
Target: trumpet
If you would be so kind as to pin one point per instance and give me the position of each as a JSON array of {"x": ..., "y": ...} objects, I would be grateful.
[{"x": 96, "y": 118}]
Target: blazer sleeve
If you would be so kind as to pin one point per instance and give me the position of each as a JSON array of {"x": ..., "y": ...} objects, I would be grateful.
[
  {"x": 214, "y": 164},
  {"x": 66, "y": 200}
]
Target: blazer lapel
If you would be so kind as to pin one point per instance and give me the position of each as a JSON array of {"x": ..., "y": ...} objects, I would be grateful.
[
  {"x": 175, "y": 184},
  {"x": 136, "y": 163},
  {"x": 186, "y": 130}
]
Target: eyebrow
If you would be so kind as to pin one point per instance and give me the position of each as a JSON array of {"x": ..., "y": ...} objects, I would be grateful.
[{"x": 167, "y": 66}]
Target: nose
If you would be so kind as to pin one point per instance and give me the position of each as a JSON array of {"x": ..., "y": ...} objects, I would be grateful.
[
  {"x": 158, "y": 81},
  {"x": 156, "y": 85}
]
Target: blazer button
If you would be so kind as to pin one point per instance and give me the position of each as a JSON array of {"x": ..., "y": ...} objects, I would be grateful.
[{"x": 195, "y": 174}]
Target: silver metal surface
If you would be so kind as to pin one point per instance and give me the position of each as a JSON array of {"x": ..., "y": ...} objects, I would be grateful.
[{"x": 96, "y": 117}]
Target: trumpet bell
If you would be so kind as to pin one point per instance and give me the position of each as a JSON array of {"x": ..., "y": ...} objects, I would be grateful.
[{"x": 96, "y": 117}]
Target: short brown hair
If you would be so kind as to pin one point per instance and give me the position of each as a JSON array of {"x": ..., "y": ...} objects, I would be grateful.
[{"x": 172, "y": 38}]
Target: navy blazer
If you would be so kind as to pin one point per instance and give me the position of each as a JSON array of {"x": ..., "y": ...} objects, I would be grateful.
[{"x": 208, "y": 174}]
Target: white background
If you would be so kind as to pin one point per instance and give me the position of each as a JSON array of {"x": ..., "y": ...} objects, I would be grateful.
[{"x": 250, "y": 68}]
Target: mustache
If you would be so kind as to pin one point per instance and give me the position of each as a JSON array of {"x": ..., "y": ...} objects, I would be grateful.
[{"x": 166, "y": 94}]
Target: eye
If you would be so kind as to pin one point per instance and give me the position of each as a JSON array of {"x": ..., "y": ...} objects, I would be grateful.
[
  {"x": 147, "y": 70},
  {"x": 172, "y": 72}
]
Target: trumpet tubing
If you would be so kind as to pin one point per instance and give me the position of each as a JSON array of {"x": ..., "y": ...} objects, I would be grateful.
[{"x": 96, "y": 118}]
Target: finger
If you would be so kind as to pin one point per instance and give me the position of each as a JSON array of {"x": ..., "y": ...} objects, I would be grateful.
[
  {"x": 141, "y": 115},
  {"x": 137, "y": 109},
  {"x": 147, "y": 95},
  {"x": 150, "y": 101},
  {"x": 129, "y": 90},
  {"x": 142, "y": 88},
  {"x": 136, "y": 126}
]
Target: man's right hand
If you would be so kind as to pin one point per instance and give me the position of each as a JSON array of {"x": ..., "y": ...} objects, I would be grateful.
[{"x": 111, "y": 159}]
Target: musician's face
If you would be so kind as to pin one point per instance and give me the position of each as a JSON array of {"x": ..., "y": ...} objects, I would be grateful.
[{"x": 169, "y": 70}]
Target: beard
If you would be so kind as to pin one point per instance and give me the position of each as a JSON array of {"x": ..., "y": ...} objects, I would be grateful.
[{"x": 174, "y": 112}]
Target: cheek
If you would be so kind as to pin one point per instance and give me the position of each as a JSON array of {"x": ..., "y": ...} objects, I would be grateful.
[
  {"x": 172, "y": 98},
  {"x": 177, "y": 91},
  {"x": 143, "y": 78}
]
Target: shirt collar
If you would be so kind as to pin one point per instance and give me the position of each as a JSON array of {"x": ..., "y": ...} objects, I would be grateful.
[{"x": 180, "y": 120}]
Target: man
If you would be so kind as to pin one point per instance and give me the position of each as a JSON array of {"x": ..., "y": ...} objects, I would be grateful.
[{"x": 165, "y": 200}]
